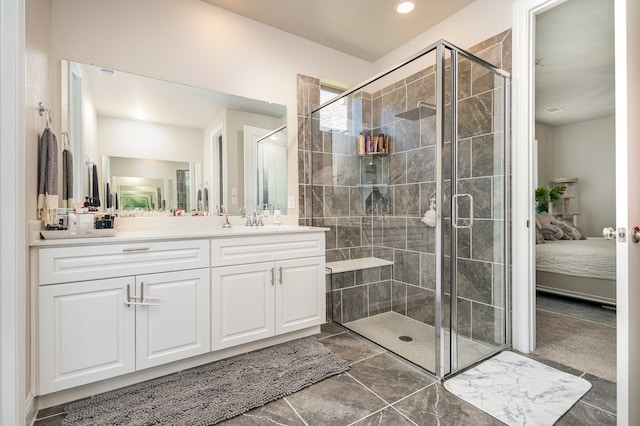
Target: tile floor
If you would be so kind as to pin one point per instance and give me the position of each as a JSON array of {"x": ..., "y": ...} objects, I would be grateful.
[{"x": 381, "y": 389}]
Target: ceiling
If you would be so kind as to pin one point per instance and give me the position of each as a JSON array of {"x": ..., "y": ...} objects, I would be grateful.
[
  {"x": 575, "y": 55},
  {"x": 366, "y": 29},
  {"x": 574, "y": 48}
]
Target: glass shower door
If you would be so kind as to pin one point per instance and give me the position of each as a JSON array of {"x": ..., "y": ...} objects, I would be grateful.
[{"x": 477, "y": 250}]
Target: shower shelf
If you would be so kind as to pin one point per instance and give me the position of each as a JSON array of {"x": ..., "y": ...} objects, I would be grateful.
[
  {"x": 374, "y": 154},
  {"x": 372, "y": 185}
]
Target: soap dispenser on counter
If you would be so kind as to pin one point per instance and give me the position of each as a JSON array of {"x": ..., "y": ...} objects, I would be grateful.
[{"x": 276, "y": 215}]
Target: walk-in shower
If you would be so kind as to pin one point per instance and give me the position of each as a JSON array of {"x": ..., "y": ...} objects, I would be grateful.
[{"x": 415, "y": 192}]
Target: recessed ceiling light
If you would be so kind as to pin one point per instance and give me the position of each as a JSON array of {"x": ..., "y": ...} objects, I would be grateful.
[
  {"x": 405, "y": 6},
  {"x": 554, "y": 109}
]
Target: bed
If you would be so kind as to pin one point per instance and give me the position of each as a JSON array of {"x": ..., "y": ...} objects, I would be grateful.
[{"x": 584, "y": 269}]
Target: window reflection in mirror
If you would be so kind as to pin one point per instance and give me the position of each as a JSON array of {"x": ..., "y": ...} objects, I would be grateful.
[{"x": 112, "y": 114}]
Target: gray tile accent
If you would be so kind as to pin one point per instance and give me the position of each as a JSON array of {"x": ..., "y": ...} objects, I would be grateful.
[
  {"x": 399, "y": 297},
  {"x": 407, "y": 267},
  {"x": 355, "y": 303},
  {"x": 379, "y": 297}
]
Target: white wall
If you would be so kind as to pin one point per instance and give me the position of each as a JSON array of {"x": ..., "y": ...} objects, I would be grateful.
[
  {"x": 585, "y": 150},
  {"x": 195, "y": 43},
  {"x": 544, "y": 137},
  {"x": 132, "y": 138}
]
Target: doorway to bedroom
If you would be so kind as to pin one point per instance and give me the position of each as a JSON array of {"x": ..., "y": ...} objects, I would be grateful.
[{"x": 575, "y": 187}]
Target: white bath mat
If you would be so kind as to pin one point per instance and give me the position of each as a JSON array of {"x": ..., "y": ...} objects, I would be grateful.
[{"x": 517, "y": 390}]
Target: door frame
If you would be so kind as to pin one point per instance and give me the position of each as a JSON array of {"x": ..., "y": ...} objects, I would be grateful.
[
  {"x": 15, "y": 396},
  {"x": 523, "y": 101}
]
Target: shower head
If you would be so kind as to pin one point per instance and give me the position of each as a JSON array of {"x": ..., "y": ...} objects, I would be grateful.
[{"x": 422, "y": 110}]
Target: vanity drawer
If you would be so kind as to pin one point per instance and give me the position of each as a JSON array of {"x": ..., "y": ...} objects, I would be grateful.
[
  {"x": 265, "y": 248},
  {"x": 68, "y": 264}
]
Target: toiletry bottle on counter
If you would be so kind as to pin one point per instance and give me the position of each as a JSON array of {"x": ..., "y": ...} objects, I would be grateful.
[
  {"x": 276, "y": 215},
  {"x": 72, "y": 221}
]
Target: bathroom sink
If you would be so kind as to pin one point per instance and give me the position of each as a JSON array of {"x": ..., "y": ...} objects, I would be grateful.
[{"x": 241, "y": 229}]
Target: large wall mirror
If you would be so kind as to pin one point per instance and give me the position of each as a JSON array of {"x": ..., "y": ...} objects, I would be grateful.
[{"x": 143, "y": 144}]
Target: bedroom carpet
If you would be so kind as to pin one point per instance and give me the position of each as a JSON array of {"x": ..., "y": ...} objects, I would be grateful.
[
  {"x": 583, "y": 345},
  {"x": 214, "y": 392},
  {"x": 576, "y": 308}
]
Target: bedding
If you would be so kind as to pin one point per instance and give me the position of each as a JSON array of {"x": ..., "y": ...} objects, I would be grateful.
[{"x": 590, "y": 258}]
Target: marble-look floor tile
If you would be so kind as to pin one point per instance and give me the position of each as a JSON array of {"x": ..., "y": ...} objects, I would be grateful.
[
  {"x": 388, "y": 416},
  {"x": 350, "y": 347},
  {"x": 434, "y": 405},
  {"x": 584, "y": 414},
  {"x": 330, "y": 329},
  {"x": 602, "y": 393},
  {"x": 278, "y": 412},
  {"x": 390, "y": 378},
  {"x": 339, "y": 400},
  {"x": 51, "y": 411},
  {"x": 518, "y": 390},
  {"x": 55, "y": 420}
]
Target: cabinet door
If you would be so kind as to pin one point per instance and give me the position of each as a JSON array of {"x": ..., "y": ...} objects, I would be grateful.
[
  {"x": 86, "y": 333},
  {"x": 173, "y": 321},
  {"x": 300, "y": 294},
  {"x": 242, "y": 304}
]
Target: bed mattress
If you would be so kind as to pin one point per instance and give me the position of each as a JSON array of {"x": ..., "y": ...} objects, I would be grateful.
[{"x": 590, "y": 258}]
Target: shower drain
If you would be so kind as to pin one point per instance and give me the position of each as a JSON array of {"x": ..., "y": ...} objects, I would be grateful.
[{"x": 406, "y": 338}]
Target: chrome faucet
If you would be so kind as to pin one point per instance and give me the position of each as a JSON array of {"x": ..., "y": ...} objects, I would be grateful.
[{"x": 256, "y": 219}]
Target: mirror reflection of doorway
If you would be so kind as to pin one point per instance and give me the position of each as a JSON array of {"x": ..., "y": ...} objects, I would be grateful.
[{"x": 575, "y": 134}]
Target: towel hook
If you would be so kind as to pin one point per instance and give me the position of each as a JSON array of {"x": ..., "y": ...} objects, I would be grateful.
[
  {"x": 45, "y": 112},
  {"x": 65, "y": 141}
]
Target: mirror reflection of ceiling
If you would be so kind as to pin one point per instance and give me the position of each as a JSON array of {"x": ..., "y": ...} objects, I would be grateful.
[
  {"x": 366, "y": 29},
  {"x": 123, "y": 95},
  {"x": 575, "y": 62}
]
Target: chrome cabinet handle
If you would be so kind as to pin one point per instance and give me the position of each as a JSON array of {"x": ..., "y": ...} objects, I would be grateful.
[
  {"x": 130, "y": 249},
  {"x": 281, "y": 275},
  {"x": 273, "y": 273},
  {"x": 130, "y": 300},
  {"x": 454, "y": 218},
  {"x": 635, "y": 234},
  {"x": 147, "y": 301},
  {"x": 140, "y": 300}
]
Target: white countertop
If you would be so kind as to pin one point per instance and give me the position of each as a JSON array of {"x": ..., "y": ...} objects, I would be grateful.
[{"x": 169, "y": 228}]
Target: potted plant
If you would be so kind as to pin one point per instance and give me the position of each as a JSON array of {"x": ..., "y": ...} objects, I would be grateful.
[{"x": 546, "y": 195}]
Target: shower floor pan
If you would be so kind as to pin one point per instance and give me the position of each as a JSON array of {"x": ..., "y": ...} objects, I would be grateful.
[{"x": 393, "y": 331}]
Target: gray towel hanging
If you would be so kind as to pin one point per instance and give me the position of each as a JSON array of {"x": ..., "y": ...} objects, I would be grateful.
[{"x": 48, "y": 176}]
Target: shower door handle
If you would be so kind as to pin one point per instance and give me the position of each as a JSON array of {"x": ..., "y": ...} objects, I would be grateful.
[{"x": 454, "y": 207}]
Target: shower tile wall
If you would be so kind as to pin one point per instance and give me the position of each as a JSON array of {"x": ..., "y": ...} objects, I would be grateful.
[{"x": 330, "y": 197}]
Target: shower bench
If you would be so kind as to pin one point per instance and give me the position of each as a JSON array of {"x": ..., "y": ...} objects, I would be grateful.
[
  {"x": 351, "y": 276},
  {"x": 356, "y": 264}
]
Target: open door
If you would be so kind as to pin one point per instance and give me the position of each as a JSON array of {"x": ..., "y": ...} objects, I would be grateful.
[
  {"x": 627, "y": 75},
  {"x": 627, "y": 35}
]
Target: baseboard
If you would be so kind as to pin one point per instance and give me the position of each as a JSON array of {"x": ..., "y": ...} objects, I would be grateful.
[{"x": 30, "y": 409}]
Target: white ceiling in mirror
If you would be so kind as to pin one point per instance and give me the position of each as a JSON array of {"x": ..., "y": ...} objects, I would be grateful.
[
  {"x": 123, "y": 95},
  {"x": 575, "y": 62}
]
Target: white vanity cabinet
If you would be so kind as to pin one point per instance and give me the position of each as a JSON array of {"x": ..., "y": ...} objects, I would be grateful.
[
  {"x": 135, "y": 308},
  {"x": 266, "y": 286},
  {"x": 86, "y": 333},
  {"x": 90, "y": 330}
]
